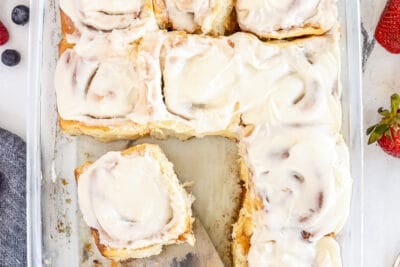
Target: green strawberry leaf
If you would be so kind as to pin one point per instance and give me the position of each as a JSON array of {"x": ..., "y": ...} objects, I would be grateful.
[
  {"x": 381, "y": 129},
  {"x": 378, "y": 132},
  {"x": 371, "y": 129},
  {"x": 383, "y": 112},
  {"x": 373, "y": 138}
]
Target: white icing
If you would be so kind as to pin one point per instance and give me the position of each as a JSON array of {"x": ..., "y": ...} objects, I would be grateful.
[
  {"x": 109, "y": 15},
  {"x": 104, "y": 24},
  {"x": 267, "y": 17},
  {"x": 287, "y": 249},
  {"x": 203, "y": 94},
  {"x": 296, "y": 84},
  {"x": 270, "y": 84},
  {"x": 191, "y": 15},
  {"x": 132, "y": 202},
  {"x": 263, "y": 82},
  {"x": 328, "y": 253},
  {"x": 302, "y": 176},
  {"x": 103, "y": 88},
  {"x": 275, "y": 249}
]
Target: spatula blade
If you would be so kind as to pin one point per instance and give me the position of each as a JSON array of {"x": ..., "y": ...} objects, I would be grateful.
[{"x": 202, "y": 254}]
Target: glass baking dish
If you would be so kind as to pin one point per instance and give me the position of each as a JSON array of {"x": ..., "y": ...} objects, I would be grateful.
[{"x": 54, "y": 229}]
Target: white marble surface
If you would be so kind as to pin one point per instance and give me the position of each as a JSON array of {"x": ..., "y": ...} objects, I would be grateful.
[
  {"x": 13, "y": 80},
  {"x": 382, "y": 173}
]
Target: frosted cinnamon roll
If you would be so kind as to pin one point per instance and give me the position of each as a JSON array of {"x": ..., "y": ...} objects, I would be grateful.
[
  {"x": 286, "y": 18},
  {"x": 134, "y": 203},
  {"x": 116, "y": 21},
  {"x": 192, "y": 85},
  {"x": 301, "y": 177},
  {"x": 99, "y": 88},
  {"x": 111, "y": 95},
  {"x": 289, "y": 83},
  {"x": 210, "y": 81},
  {"x": 195, "y": 16},
  {"x": 96, "y": 96},
  {"x": 199, "y": 81}
]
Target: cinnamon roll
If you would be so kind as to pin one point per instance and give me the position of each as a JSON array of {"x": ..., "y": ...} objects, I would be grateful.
[
  {"x": 213, "y": 81},
  {"x": 301, "y": 179},
  {"x": 116, "y": 22},
  {"x": 134, "y": 203},
  {"x": 108, "y": 96},
  {"x": 280, "y": 19},
  {"x": 93, "y": 93},
  {"x": 104, "y": 88},
  {"x": 200, "y": 94},
  {"x": 195, "y": 16},
  {"x": 190, "y": 85},
  {"x": 289, "y": 83}
]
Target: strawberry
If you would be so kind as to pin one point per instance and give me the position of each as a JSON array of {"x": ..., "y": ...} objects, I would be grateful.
[
  {"x": 3, "y": 34},
  {"x": 387, "y": 32},
  {"x": 387, "y": 131}
]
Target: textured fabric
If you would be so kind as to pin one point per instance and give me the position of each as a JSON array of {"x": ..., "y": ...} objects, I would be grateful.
[{"x": 12, "y": 200}]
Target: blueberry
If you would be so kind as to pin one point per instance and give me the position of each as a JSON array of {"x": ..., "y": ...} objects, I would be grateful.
[
  {"x": 10, "y": 57},
  {"x": 20, "y": 15}
]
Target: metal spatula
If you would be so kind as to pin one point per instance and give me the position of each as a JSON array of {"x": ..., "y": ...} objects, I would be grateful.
[{"x": 203, "y": 254}]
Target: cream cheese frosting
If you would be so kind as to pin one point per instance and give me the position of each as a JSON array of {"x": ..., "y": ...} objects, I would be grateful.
[
  {"x": 104, "y": 23},
  {"x": 108, "y": 15},
  {"x": 133, "y": 201},
  {"x": 190, "y": 15},
  {"x": 101, "y": 88},
  {"x": 288, "y": 84},
  {"x": 274, "y": 249},
  {"x": 296, "y": 84},
  {"x": 267, "y": 17},
  {"x": 302, "y": 176},
  {"x": 199, "y": 92}
]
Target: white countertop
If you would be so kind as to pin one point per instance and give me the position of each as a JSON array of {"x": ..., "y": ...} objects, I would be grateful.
[
  {"x": 382, "y": 173},
  {"x": 13, "y": 80}
]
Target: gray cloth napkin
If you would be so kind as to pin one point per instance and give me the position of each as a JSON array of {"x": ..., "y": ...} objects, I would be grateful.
[{"x": 12, "y": 200}]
